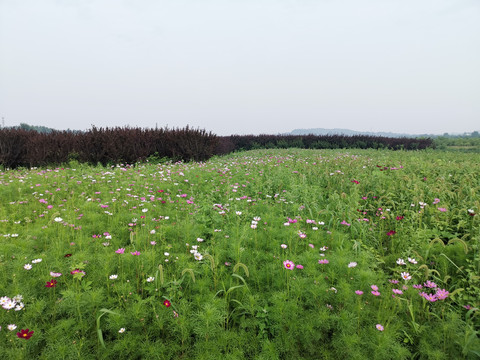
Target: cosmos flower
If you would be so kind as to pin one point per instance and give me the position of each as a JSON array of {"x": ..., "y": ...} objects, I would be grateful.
[
  {"x": 288, "y": 264},
  {"x": 406, "y": 276},
  {"x": 51, "y": 283},
  {"x": 441, "y": 294},
  {"x": 379, "y": 327}
]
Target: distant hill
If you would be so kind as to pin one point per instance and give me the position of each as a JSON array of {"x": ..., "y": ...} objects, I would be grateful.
[{"x": 321, "y": 131}]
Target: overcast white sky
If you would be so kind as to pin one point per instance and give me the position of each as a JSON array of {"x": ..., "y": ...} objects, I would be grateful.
[{"x": 241, "y": 67}]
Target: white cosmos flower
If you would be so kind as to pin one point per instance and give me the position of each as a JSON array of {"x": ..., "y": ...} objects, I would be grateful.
[
  {"x": 58, "y": 219},
  {"x": 4, "y": 299},
  {"x": 9, "y": 305},
  {"x": 406, "y": 276},
  {"x": 27, "y": 266},
  {"x": 150, "y": 279},
  {"x": 113, "y": 277}
]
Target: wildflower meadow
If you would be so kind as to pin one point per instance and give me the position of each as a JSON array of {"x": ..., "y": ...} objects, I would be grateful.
[{"x": 263, "y": 254}]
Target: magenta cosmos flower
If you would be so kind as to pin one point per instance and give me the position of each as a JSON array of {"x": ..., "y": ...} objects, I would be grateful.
[
  {"x": 288, "y": 264},
  {"x": 120, "y": 251},
  {"x": 323, "y": 261},
  {"x": 25, "y": 334}
]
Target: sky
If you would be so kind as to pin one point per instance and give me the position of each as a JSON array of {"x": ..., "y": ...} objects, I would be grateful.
[{"x": 242, "y": 67}]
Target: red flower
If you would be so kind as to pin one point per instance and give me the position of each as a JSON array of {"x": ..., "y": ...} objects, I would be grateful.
[
  {"x": 68, "y": 255},
  {"x": 25, "y": 334},
  {"x": 356, "y": 181},
  {"x": 167, "y": 303},
  {"x": 391, "y": 232},
  {"x": 51, "y": 283},
  {"x": 399, "y": 218}
]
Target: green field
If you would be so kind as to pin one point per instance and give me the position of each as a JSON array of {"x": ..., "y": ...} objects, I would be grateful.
[{"x": 267, "y": 254}]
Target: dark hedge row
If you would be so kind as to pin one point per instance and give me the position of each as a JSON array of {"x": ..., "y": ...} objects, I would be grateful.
[
  {"x": 106, "y": 146},
  {"x": 249, "y": 142},
  {"x": 19, "y": 147}
]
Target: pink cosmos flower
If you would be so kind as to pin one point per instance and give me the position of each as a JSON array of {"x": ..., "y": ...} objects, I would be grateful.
[
  {"x": 323, "y": 261},
  {"x": 359, "y": 292},
  {"x": 379, "y": 327},
  {"x": 78, "y": 271},
  {"x": 120, "y": 251},
  {"x": 442, "y": 209},
  {"x": 345, "y": 223},
  {"x": 374, "y": 287},
  {"x": 376, "y": 293},
  {"x": 135, "y": 253},
  {"x": 288, "y": 264},
  {"x": 441, "y": 294},
  {"x": 397, "y": 291},
  {"x": 299, "y": 266},
  {"x": 430, "y": 297}
]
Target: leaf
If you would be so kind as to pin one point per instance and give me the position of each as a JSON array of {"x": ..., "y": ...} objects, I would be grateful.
[{"x": 99, "y": 330}]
